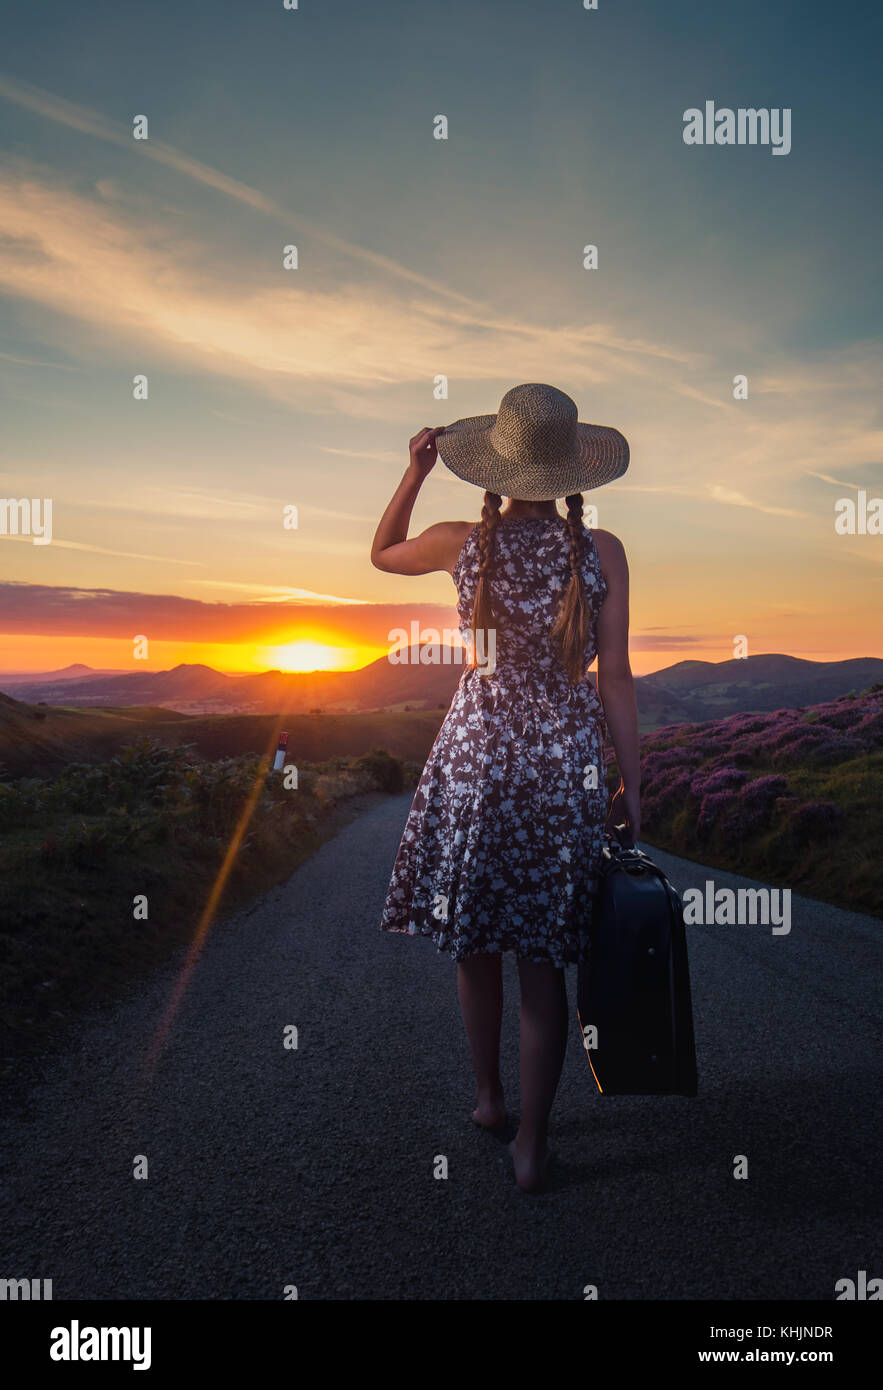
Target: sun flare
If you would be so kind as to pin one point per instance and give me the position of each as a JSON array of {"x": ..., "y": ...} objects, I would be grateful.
[{"x": 308, "y": 656}]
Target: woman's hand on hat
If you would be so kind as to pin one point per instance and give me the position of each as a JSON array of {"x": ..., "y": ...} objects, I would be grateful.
[{"x": 423, "y": 449}]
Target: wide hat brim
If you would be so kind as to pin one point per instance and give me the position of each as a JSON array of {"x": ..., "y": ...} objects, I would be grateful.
[{"x": 600, "y": 455}]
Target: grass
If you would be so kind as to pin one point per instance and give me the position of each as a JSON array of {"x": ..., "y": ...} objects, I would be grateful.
[{"x": 41, "y": 740}]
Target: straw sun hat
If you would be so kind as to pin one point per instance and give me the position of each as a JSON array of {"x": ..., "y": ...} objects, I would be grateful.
[{"x": 534, "y": 448}]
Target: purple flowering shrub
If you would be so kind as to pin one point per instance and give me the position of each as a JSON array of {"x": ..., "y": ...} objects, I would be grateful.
[
  {"x": 871, "y": 727},
  {"x": 712, "y": 808},
  {"x": 677, "y": 758},
  {"x": 760, "y": 793},
  {"x": 721, "y": 779},
  {"x": 837, "y": 750},
  {"x": 839, "y": 714}
]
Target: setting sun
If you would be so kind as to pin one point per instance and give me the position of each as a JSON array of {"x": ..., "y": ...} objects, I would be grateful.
[{"x": 310, "y": 656}]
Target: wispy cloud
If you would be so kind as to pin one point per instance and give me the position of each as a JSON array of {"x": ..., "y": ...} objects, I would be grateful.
[
  {"x": 37, "y": 362},
  {"x": 272, "y": 593},
  {"x": 836, "y": 482},
  {"x": 366, "y": 343},
  {"x": 57, "y": 544},
  {"x": 732, "y": 498},
  {"x": 703, "y": 397},
  {"x": 145, "y": 284},
  {"x": 377, "y": 455},
  {"x": 88, "y": 122},
  {"x": 661, "y": 641},
  {"x": 51, "y": 609}
]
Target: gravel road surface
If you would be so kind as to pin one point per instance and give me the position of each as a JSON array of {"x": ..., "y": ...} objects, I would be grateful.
[{"x": 271, "y": 1166}]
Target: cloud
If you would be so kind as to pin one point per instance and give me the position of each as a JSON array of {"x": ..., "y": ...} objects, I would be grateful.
[
  {"x": 360, "y": 345},
  {"x": 275, "y": 594},
  {"x": 376, "y": 455},
  {"x": 88, "y": 122},
  {"x": 691, "y": 392},
  {"x": 203, "y": 504},
  {"x": 105, "y": 550},
  {"x": 42, "y": 609},
  {"x": 836, "y": 482},
  {"x": 37, "y": 362},
  {"x": 145, "y": 284},
  {"x": 738, "y": 499},
  {"x": 653, "y": 641}
]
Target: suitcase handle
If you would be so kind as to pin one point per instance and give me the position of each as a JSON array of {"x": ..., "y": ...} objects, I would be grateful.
[
  {"x": 622, "y": 837},
  {"x": 622, "y": 850}
]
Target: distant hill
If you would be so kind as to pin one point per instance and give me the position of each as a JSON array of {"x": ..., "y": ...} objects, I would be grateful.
[
  {"x": 181, "y": 684},
  {"x": 76, "y": 671},
  {"x": 689, "y": 691},
  {"x": 711, "y": 689},
  {"x": 201, "y": 689}
]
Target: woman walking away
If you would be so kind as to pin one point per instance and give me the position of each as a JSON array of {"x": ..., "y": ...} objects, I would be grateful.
[{"x": 503, "y": 840}]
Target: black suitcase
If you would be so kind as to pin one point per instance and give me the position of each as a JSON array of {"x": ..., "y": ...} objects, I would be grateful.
[{"x": 634, "y": 1004}]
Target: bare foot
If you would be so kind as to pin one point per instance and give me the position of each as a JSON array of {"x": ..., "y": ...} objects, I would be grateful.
[
  {"x": 531, "y": 1167},
  {"x": 490, "y": 1112}
]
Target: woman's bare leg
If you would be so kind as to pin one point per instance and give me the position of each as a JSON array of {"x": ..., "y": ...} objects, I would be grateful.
[
  {"x": 480, "y": 990},
  {"x": 543, "y": 1044}
]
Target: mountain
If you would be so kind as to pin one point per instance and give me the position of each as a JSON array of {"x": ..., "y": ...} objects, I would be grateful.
[
  {"x": 76, "y": 671},
  {"x": 658, "y": 705},
  {"x": 201, "y": 689},
  {"x": 180, "y": 685},
  {"x": 757, "y": 684},
  {"x": 687, "y": 692}
]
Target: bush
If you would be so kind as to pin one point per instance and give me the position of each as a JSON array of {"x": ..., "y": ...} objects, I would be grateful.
[
  {"x": 762, "y": 791},
  {"x": 722, "y": 779},
  {"x": 382, "y": 769},
  {"x": 712, "y": 809},
  {"x": 836, "y": 750},
  {"x": 760, "y": 794},
  {"x": 220, "y": 790},
  {"x": 815, "y": 820}
]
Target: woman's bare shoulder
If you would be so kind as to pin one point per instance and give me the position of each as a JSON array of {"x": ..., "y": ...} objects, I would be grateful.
[
  {"x": 456, "y": 533},
  {"x": 606, "y": 541},
  {"x": 611, "y": 553}
]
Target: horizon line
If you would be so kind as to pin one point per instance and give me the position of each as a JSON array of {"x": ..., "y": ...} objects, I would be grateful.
[{"x": 352, "y": 670}]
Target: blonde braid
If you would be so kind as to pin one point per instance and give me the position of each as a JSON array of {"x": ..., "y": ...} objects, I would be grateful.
[
  {"x": 482, "y": 607},
  {"x": 573, "y": 627}
]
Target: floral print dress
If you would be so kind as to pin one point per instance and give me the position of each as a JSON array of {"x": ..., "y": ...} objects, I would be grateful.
[{"x": 503, "y": 840}]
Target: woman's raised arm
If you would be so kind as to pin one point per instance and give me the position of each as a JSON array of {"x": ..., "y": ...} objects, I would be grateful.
[{"x": 438, "y": 546}]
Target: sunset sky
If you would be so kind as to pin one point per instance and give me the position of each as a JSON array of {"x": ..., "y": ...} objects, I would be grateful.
[{"x": 418, "y": 257}]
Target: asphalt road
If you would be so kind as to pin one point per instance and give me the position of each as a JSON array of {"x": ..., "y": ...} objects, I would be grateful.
[{"x": 269, "y": 1166}]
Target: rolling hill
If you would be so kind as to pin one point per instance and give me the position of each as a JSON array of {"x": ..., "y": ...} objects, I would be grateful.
[
  {"x": 197, "y": 688},
  {"x": 38, "y": 741},
  {"x": 689, "y": 691},
  {"x": 76, "y": 671},
  {"x": 758, "y": 684}
]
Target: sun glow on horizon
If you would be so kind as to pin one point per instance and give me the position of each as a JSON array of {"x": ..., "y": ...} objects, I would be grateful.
[{"x": 314, "y": 656}]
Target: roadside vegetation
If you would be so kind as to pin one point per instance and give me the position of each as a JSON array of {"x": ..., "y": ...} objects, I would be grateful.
[
  {"x": 791, "y": 797},
  {"x": 78, "y": 848}
]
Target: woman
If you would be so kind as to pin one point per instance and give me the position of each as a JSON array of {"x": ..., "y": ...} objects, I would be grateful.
[{"x": 502, "y": 844}]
